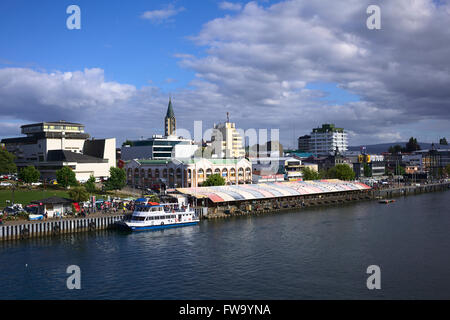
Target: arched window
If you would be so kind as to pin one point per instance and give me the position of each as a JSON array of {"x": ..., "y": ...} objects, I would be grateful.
[
  {"x": 201, "y": 173},
  {"x": 208, "y": 172},
  {"x": 165, "y": 173},
  {"x": 224, "y": 172},
  {"x": 232, "y": 172},
  {"x": 217, "y": 171},
  {"x": 156, "y": 173},
  {"x": 149, "y": 173}
]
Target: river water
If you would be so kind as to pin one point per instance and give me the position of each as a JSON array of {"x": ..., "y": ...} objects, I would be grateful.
[{"x": 314, "y": 253}]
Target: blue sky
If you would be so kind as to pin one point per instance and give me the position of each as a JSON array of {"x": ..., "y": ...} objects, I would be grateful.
[{"x": 272, "y": 64}]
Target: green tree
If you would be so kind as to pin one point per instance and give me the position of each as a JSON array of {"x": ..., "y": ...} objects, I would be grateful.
[
  {"x": 341, "y": 172},
  {"x": 29, "y": 174},
  {"x": 443, "y": 141},
  {"x": 90, "y": 185},
  {"x": 214, "y": 180},
  {"x": 117, "y": 179},
  {"x": 412, "y": 145},
  {"x": 127, "y": 143},
  {"x": 447, "y": 169},
  {"x": 395, "y": 149},
  {"x": 7, "y": 164},
  {"x": 309, "y": 174},
  {"x": 399, "y": 170},
  {"x": 367, "y": 170},
  {"x": 79, "y": 194},
  {"x": 154, "y": 198},
  {"x": 66, "y": 177}
]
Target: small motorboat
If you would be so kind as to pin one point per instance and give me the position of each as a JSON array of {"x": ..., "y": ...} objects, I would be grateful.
[{"x": 386, "y": 201}]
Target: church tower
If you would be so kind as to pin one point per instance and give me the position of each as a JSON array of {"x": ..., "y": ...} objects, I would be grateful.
[{"x": 170, "y": 121}]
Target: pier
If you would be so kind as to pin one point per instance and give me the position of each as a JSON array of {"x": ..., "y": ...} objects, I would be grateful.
[{"x": 34, "y": 229}]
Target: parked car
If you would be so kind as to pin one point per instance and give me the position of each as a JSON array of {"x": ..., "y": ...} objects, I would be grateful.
[{"x": 5, "y": 184}]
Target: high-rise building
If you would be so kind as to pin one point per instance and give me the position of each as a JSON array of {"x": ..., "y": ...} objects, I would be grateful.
[
  {"x": 226, "y": 140},
  {"x": 328, "y": 139},
  {"x": 303, "y": 143},
  {"x": 170, "y": 121}
]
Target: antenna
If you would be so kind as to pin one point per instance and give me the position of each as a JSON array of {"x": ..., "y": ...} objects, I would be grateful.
[{"x": 228, "y": 117}]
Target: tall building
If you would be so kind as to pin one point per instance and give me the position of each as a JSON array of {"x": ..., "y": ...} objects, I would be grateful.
[
  {"x": 170, "y": 122},
  {"x": 51, "y": 145},
  {"x": 226, "y": 140},
  {"x": 303, "y": 143},
  {"x": 328, "y": 139}
]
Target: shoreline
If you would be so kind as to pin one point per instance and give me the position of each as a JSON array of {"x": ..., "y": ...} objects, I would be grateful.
[{"x": 19, "y": 230}]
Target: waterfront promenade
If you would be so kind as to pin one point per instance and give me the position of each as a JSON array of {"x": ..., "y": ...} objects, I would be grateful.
[{"x": 20, "y": 229}]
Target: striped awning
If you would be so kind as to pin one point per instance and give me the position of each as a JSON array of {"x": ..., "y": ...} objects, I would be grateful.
[{"x": 272, "y": 190}]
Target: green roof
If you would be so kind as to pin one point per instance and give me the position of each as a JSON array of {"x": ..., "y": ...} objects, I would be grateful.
[
  {"x": 328, "y": 128},
  {"x": 170, "y": 113}
]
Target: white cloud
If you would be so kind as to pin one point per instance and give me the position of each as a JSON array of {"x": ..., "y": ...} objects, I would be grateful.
[
  {"x": 225, "y": 5},
  {"x": 159, "y": 16},
  {"x": 257, "y": 65}
]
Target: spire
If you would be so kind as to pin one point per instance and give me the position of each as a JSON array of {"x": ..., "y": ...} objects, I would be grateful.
[{"x": 170, "y": 113}]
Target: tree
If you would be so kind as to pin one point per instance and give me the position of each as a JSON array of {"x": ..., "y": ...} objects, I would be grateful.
[
  {"x": 29, "y": 174},
  {"x": 127, "y": 143},
  {"x": 309, "y": 174},
  {"x": 117, "y": 179},
  {"x": 443, "y": 141},
  {"x": 154, "y": 198},
  {"x": 66, "y": 177},
  {"x": 399, "y": 170},
  {"x": 395, "y": 149},
  {"x": 412, "y": 145},
  {"x": 90, "y": 185},
  {"x": 7, "y": 164},
  {"x": 447, "y": 169},
  {"x": 79, "y": 194},
  {"x": 214, "y": 180},
  {"x": 367, "y": 170},
  {"x": 341, "y": 172}
]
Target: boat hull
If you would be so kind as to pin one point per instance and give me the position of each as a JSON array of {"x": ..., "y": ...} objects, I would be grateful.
[{"x": 159, "y": 227}]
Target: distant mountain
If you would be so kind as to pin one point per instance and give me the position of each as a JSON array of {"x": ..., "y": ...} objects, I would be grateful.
[{"x": 383, "y": 147}]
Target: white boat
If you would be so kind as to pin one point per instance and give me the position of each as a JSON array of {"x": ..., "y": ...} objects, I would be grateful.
[{"x": 152, "y": 216}]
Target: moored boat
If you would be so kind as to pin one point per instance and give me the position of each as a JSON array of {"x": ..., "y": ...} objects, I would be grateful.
[
  {"x": 386, "y": 201},
  {"x": 153, "y": 216}
]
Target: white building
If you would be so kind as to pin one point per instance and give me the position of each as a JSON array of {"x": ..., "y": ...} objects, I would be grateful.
[
  {"x": 51, "y": 145},
  {"x": 328, "y": 139},
  {"x": 226, "y": 141},
  {"x": 159, "y": 148},
  {"x": 186, "y": 172}
]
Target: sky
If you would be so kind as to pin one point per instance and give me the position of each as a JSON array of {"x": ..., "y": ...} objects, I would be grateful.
[{"x": 287, "y": 65}]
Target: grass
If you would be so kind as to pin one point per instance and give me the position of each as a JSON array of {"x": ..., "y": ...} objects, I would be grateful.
[{"x": 24, "y": 197}]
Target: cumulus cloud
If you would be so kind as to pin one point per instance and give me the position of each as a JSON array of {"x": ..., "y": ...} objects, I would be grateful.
[
  {"x": 400, "y": 73},
  {"x": 162, "y": 15},
  {"x": 257, "y": 65},
  {"x": 225, "y": 5}
]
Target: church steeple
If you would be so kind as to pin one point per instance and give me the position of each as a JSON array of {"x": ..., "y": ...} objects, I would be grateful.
[{"x": 170, "y": 121}]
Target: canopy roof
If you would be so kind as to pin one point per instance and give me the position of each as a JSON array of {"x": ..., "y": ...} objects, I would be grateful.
[{"x": 272, "y": 190}]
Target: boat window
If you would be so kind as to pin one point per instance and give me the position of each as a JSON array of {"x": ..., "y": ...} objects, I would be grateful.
[{"x": 138, "y": 218}]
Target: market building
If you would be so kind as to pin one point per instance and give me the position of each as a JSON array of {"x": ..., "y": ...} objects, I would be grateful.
[{"x": 175, "y": 173}]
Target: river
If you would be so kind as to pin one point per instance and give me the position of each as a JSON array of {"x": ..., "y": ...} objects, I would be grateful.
[{"x": 314, "y": 253}]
